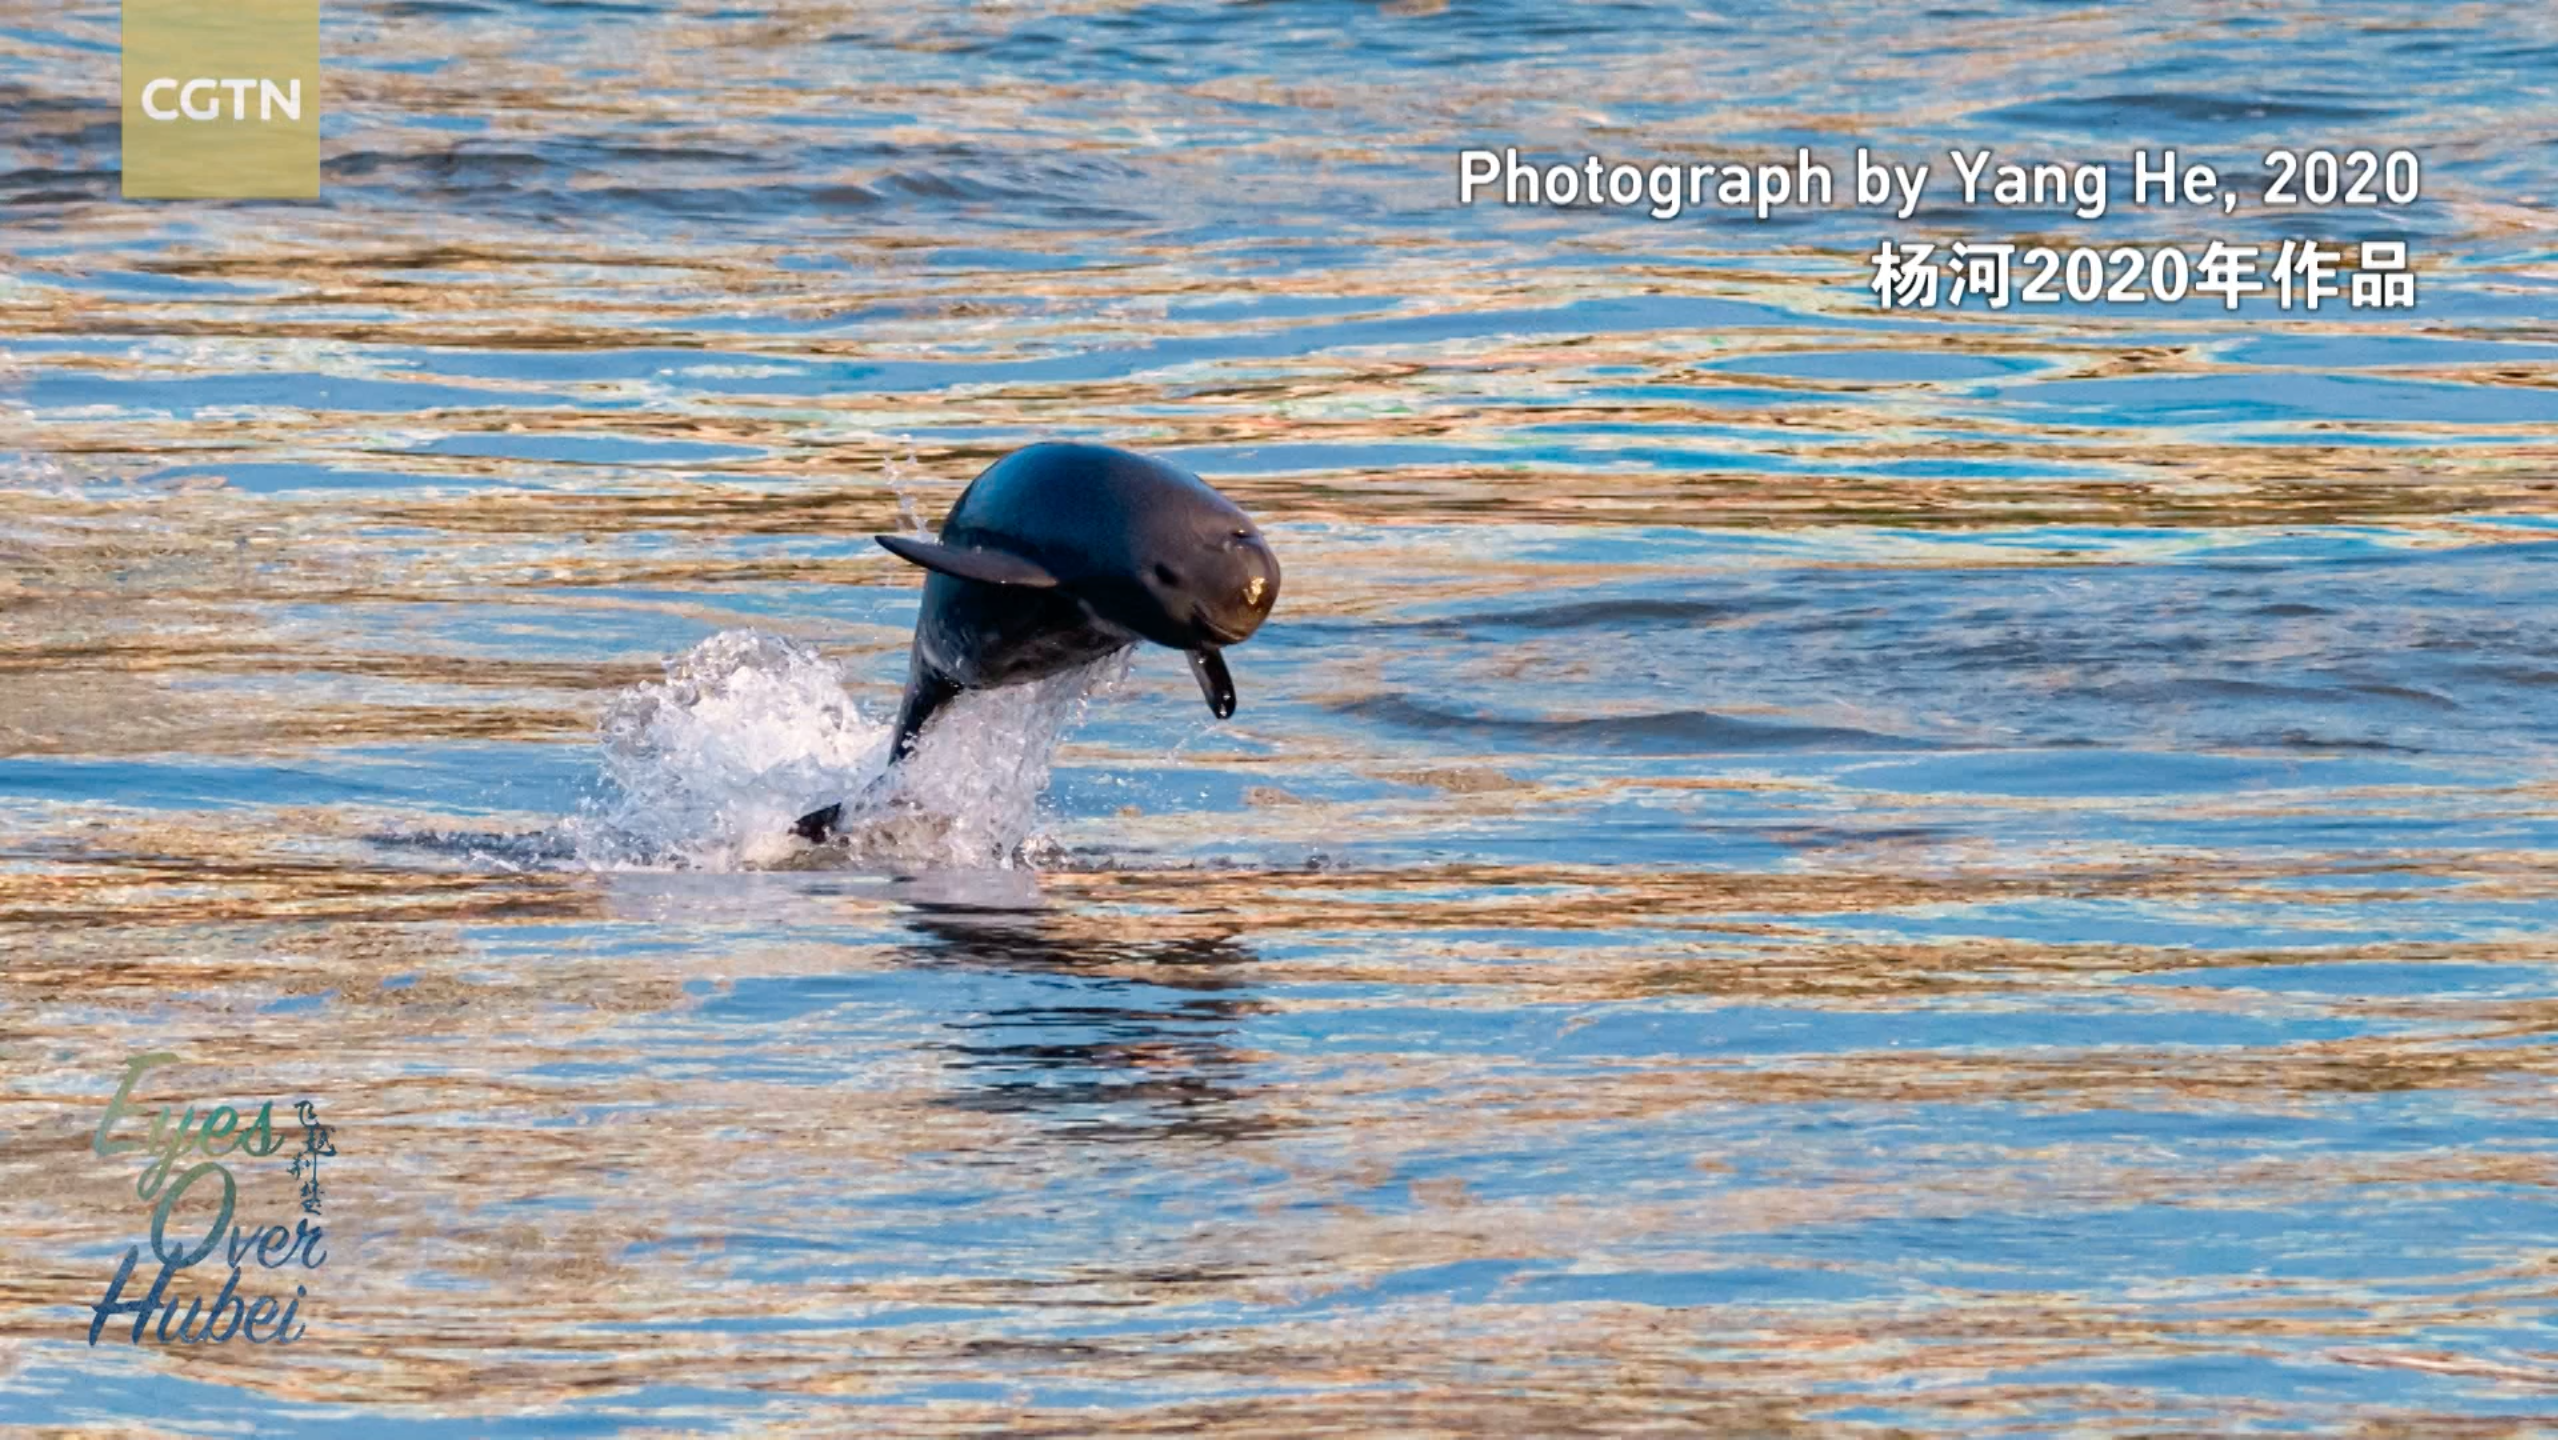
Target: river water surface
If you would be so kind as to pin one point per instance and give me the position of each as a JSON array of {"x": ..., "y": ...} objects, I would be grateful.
[{"x": 1782, "y": 867}]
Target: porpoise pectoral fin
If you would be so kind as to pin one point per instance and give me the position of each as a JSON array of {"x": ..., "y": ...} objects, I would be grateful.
[
  {"x": 995, "y": 567},
  {"x": 1210, "y": 666}
]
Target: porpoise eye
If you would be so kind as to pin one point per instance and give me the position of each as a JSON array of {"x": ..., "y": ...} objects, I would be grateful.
[{"x": 1166, "y": 574}]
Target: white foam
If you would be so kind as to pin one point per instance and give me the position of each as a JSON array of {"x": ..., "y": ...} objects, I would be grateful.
[{"x": 708, "y": 768}]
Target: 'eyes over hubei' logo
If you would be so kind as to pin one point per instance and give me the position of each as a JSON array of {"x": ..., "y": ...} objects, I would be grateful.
[{"x": 218, "y": 1131}]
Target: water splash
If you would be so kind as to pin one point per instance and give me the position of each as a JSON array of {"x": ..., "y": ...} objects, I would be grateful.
[{"x": 708, "y": 768}]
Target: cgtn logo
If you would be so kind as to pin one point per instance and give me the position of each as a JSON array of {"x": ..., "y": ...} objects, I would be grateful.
[
  {"x": 168, "y": 98},
  {"x": 222, "y": 99}
]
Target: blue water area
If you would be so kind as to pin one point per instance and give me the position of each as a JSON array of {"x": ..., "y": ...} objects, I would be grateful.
[{"x": 1783, "y": 865}]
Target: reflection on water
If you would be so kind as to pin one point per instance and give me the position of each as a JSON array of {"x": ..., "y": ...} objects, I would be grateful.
[
  {"x": 1104, "y": 1057},
  {"x": 1781, "y": 867}
]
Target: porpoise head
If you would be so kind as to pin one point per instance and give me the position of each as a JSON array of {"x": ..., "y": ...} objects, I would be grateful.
[
  {"x": 1200, "y": 579},
  {"x": 1196, "y": 576}
]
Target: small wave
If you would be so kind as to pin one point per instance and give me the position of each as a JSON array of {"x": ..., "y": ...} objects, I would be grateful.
[
  {"x": 2101, "y": 113},
  {"x": 2299, "y": 739},
  {"x": 2210, "y": 689},
  {"x": 503, "y": 850},
  {"x": 1665, "y": 732},
  {"x": 1615, "y": 614}
]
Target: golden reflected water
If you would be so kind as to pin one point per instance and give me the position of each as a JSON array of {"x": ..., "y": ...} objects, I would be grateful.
[{"x": 1715, "y": 915}]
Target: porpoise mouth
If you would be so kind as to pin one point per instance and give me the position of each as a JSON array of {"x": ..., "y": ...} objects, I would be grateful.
[{"x": 1217, "y": 632}]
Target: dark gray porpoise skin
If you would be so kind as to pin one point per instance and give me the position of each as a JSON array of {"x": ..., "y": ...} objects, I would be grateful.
[{"x": 1061, "y": 554}]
